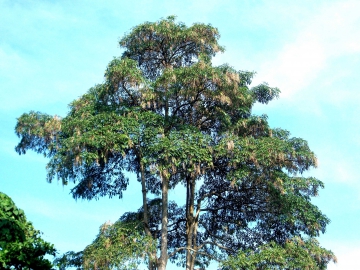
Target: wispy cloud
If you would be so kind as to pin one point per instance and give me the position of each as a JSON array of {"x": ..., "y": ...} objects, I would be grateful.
[
  {"x": 329, "y": 34},
  {"x": 347, "y": 256},
  {"x": 339, "y": 168},
  {"x": 40, "y": 51}
]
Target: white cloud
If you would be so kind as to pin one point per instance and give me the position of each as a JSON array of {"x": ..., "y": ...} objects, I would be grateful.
[
  {"x": 347, "y": 256},
  {"x": 296, "y": 66},
  {"x": 331, "y": 33},
  {"x": 335, "y": 166},
  {"x": 10, "y": 60},
  {"x": 339, "y": 168}
]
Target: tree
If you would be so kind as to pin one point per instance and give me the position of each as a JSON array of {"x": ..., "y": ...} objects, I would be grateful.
[
  {"x": 294, "y": 254},
  {"x": 167, "y": 114},
  {"x": 21, "y": 246},
  {"x": 121, "y": 245}
]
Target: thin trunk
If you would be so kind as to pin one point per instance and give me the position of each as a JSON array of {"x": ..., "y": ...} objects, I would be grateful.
[
  {"x": 162, "y": 261},
  {"x": 164, "y": 224},
  {"x": 152, "y": 257},
  {"x": 145, "y": 206},
  {"x": 190, "y": 224},
  {"x": 195, "y": 227}
]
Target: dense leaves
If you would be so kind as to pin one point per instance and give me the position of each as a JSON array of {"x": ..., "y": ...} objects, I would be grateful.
[
  {"x": 118, "y": 246},
  {"x": 294, "y": 254},
  {"x": 163, "y": 44},
  {"x": 21, "y": 246}
]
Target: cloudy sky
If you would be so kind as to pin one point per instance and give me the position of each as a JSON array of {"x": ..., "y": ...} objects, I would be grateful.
[{"x": 51, "y": 52}]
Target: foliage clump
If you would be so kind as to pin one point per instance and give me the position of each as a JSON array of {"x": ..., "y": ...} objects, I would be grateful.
[{"x": 21, "y": 245}]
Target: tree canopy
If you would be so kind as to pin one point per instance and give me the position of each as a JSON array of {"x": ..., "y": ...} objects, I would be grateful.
[
  {"x": 167, "y": 114},
  {"x": 21, "y": 246}
]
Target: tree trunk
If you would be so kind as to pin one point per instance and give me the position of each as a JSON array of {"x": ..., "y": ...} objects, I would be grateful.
[
  {"x": 152, "y": 257},
  {"x": 190, "y": 224},
  {"x": 164, "y": 224}
]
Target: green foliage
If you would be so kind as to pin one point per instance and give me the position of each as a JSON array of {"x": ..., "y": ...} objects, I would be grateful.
[
  {"x": 21, "y": 246},
  {"x": 294, "y": 254},
  {"x": 165, "y": 43},
  {"x": 122, "y": 245},
  {"x": 70, "y": 259}
]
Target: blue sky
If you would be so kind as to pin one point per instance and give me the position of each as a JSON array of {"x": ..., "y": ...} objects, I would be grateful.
[{"x": 51, "y": 52}]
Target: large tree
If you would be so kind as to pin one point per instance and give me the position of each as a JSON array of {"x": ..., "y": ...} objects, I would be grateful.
[
  {"x": 21, "y": 245},
  {"x": 167, "y": 114}
]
